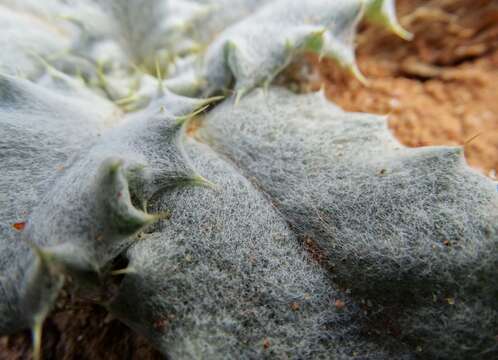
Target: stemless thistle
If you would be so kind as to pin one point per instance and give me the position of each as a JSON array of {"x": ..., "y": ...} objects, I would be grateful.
[{"x": 254, "y": 222}]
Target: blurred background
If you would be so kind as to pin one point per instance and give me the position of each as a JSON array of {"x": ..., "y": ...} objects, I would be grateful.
[{"x": 440, "y": 88}]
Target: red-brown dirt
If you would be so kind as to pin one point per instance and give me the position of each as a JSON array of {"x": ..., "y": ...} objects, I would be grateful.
[{"x": 440, "y": 88}]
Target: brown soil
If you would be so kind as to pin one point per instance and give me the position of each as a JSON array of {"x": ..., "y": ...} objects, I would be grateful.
[
  {"x": 440, "y": 88},
  {"x": 80, "y": 331}
]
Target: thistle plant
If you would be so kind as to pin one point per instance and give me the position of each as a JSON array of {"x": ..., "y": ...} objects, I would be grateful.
[{"x": 150, "y": 164}]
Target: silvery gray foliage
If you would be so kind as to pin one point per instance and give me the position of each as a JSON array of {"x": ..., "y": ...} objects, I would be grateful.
[
  {"x": 251, "y": 57},
  {"x": 72, "y": 181},
  {"x": 225, "y": 274},
  {"x": 223, "y": 13},
  {"x": 42, "y": 131},
  {"x": 73, "y": 34},
  {"x": 285, "y": 28},
  {"x": 144, "y": 28},
  {"x": 24, "y": 38},
  {"x": 392, "y": 222},
  {"x": 282, "y": 227}
]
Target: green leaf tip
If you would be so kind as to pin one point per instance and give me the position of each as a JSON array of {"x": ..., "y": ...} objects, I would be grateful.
[
  {"x": 115, "y": 196},
  {"x": 196, "y": 181},
  {"x": 36, "y": 333},
  {"x": 239, "y": 94},
  {"x": 383, "y": 12},
  {"x": 203, "y": 182},
  {"x": 40, "y": 292},
  {"x": 355, "y": 71},
  {"x": 315, "y": 41},
  {"x": 126, "y": 100},
  {"x": 183, "y": 119},
  {"x": 126, "y": 270}
]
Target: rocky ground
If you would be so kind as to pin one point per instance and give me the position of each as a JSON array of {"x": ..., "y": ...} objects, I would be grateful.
[{"x": 440, "y": 88}]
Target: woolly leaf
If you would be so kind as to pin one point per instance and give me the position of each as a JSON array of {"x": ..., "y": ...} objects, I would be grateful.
[
  {"x": 23, "y": 38},
  {"x": 257, "y": 48},
  {"x": 42, "y": 131},
  {"x": 225, "y": 273},
  {"x": 145, "y": 28},
  {"x": 382, "y": 213}
]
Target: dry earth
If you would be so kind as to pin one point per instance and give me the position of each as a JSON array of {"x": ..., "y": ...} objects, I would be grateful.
[{"x": 440, "y": 88}]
